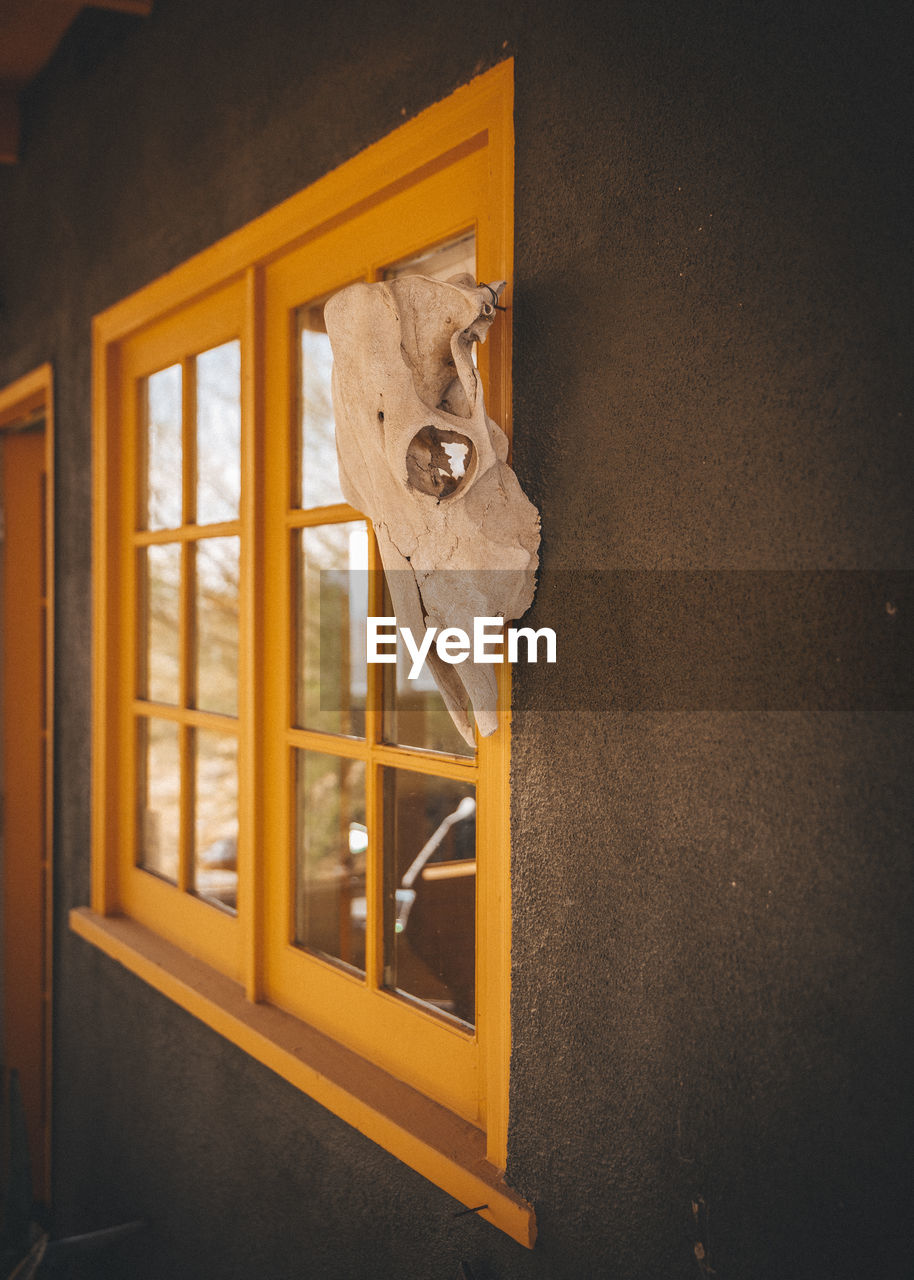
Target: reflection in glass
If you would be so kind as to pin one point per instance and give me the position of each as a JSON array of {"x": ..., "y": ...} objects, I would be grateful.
[
  {"x": 159, "y": 800},
  {"x": 163, "y": 449},
  {"x": 331, "y": 843},
  {"x": 219, "y": 433},
  {"x": 160, "y": 573},
  {"x": 320, "y": 484},
  {"x": 217, "y": 578},
  {"x": 414, "y": 710},
  {"x": 430, "y": 890},
  {"x": 331, "y": 607},
  {"x": 453, "y": 258},
  {"x": 216, "y": 818}
]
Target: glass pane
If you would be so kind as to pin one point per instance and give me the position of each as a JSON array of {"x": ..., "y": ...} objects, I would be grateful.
[
  {"x": 430, "y": 890},
  {"x": 320, "y": 484},
  {"x": 160, "y": 573},
  {"x": 453, "y": 258},
  {"x": 331, "y": 845},
  {"x": 414, "y": 711},
  {"x": 219, "y": 433},
  {"x": 159, "y": 772},
  {"x": 217, "y": 562},
  {"x": 164, "y": 452},
  {"x": 216, "y": 818},
  {"x": 332, "y": 607},
  {"x": 415, "y": 714}
]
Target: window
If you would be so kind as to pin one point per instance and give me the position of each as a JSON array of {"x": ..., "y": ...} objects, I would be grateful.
[{"x": 292, "y": 843}]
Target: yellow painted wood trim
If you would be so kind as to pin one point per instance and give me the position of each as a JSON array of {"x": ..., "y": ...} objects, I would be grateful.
[
  {"x": 464, "y": 768},
  {"x": 252, "y": 639},
  {"x": 32, "y": 393},
  {"x": 337, "y": 513},
  {"x": 50, "y": 507},
  {"x": 106, "y": 404},
  {"x": 214, "y": 721},
  {"x": 418, "y": 760},
  {"x": 203, "y": 929},
  {"x": 494, "y": 906},
  {"x": 207, "y": 320},
  {"x": 407, "y": 1038},
  {"x": 424, "y": 1135},
  {"x": 187, "y": 533},
  {"x": 431, "y": 138}
]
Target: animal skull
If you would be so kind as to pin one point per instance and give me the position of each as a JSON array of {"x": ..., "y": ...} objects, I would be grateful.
[{"x": 420, "y": 457}]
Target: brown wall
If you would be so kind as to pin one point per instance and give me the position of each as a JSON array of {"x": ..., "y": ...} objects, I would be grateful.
[{"x": 712, "y": 887}]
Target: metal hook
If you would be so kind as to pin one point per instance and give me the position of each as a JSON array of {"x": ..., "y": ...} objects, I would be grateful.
[{"x": 494, "y": 297}]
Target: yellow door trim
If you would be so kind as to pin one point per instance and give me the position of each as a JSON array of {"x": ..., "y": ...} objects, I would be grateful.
[{"x": 26, "y": 402}]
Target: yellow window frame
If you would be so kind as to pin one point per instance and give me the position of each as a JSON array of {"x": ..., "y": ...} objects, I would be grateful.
[
  {"x": 442, "y": 1106},
  {"x": 438, "y": 1058}
]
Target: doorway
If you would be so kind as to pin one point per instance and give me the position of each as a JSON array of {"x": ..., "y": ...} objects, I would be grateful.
[{"x": 25, "y": 753}]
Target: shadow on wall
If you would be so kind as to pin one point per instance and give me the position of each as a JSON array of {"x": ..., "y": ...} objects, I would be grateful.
[{"x": 26, "y": 1249}]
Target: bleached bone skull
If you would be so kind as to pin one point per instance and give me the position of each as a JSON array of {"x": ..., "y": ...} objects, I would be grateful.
[{"x": 420, "y": 457}]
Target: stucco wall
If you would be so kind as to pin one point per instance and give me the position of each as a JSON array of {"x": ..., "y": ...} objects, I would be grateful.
[{"x": 712, "y": 897}]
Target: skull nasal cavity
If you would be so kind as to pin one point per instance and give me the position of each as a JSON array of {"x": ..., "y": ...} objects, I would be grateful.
[{"x": 438, "y": 462}]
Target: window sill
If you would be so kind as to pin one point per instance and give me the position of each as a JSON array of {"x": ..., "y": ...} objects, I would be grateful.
[{"x": 424, "y": 1135}]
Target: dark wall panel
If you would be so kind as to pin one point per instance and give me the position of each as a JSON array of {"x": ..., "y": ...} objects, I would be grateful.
[{"x": 713, "y": 894}]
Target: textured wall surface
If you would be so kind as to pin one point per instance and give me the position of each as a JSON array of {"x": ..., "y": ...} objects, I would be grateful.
[{"x": 712, "y": 894}]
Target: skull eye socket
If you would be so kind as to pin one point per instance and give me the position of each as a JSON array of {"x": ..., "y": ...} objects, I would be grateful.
[{"x": 438, "y": 462}]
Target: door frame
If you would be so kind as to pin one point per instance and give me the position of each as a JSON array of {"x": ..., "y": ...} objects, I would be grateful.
[{"x": 21, "y": 402}]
